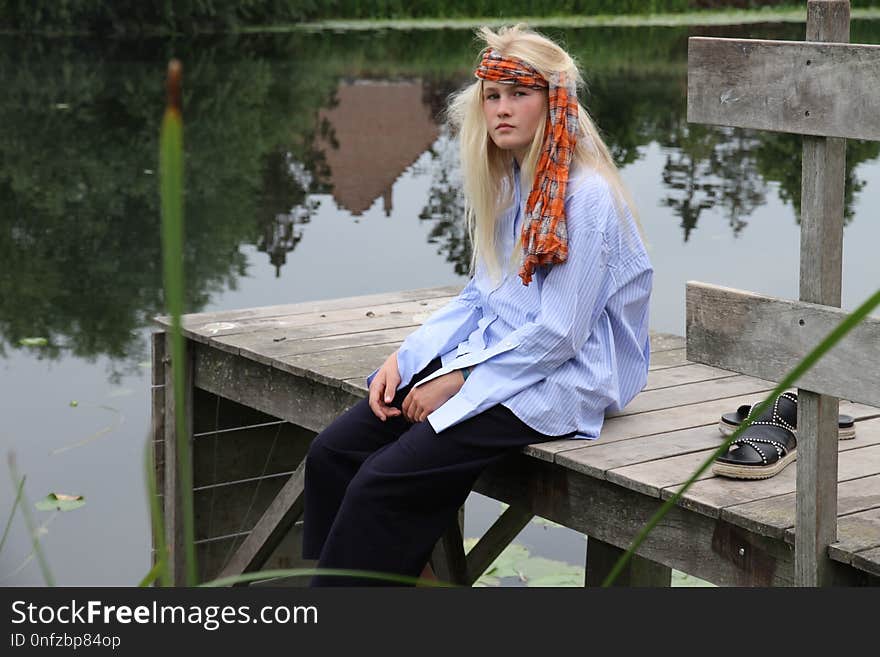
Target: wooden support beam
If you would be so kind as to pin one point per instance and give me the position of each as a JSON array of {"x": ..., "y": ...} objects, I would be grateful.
[
  {"x": 271, "y": 528},
  {"x": 506, "y": 528},
  {"x": 809, "y": 88},
  {"x": 766, "y": 337},
  {"x": 448, "y": 560},
  {"x": 639, "y": 571}
]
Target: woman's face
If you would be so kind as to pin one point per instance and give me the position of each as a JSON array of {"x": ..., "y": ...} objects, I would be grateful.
[{"x": 513, "y": 113}]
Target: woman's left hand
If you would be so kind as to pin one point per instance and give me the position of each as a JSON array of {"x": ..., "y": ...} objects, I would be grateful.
[{"x": 427, "y": 398}]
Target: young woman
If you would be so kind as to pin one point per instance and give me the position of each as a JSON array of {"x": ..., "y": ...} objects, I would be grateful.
[{"x": 549, "y": 333}]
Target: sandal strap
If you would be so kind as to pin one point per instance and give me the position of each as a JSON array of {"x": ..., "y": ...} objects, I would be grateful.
[
  {"x": 781, "y": 450},
  {"x": 776, "y": 420}
]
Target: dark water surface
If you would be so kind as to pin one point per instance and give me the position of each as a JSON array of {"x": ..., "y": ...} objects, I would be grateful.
[{"x": 316, "y": 168}]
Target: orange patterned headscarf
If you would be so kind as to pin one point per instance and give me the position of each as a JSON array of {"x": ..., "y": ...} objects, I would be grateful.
[{"x": 545, "y": 237}]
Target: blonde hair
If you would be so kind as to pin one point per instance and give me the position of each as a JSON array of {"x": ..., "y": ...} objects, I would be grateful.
[{"x": 487, "y": 169}]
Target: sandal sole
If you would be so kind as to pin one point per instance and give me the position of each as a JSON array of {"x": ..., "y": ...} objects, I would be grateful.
[
  {"x": 753, "y": 471},
  {"x": 843, "y": 433}
]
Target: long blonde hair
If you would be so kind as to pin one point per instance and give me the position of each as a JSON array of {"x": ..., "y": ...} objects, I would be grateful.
[{"x": 487, "y": 170}]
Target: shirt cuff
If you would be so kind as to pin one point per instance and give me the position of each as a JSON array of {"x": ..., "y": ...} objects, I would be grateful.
[{"x": 457, "y": 408}]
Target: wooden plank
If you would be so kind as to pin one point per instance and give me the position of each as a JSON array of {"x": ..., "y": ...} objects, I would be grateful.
[
  {"x": 710, "y": 496},
  {"x": 652, "y": 476},
  {"x": 671, "y": 358},
  {"x": 641, "y": 424},
  {"x": 319, "y": 323},
  {"x": 809, "y": 88},
  {"x": 693, "y": 393},
  {"x": 505, "y": 528},
  {"x": 598, "y": 460},
  {"x": 775, "y": 517},
  {"x": 766, "y": 337},
  {"x": 306, "y": 307},
  {"x": 173, "y": 493},
  {"x": 602, "y": 557},
  {"x": 285, "y": 347},
  {"x": 681, "y": 374},
  {"x": 274, "y": 524},
  {"x": 869, "y": 561},
  {"x": 855, "y": 533},
  {"x": 306, "y": 402}
]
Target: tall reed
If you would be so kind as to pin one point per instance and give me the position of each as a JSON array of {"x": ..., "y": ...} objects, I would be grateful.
[{"x": 171, "y": 192}]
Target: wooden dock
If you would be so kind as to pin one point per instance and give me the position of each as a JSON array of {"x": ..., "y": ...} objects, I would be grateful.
[{"x": 265, "y": 380}]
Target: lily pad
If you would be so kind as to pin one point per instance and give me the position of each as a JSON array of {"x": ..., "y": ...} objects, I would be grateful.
[
  {"x": 60, "y": 502},
  {"x": 33, "y": 342}
]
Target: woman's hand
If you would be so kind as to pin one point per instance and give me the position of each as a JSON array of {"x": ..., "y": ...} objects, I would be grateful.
[
  {"x": 384, "y": 387},
  {"x": 427, "y": 398}
]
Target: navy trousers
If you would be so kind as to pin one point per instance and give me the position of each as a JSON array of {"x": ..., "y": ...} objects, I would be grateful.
[{"x": 379, "y": 495}]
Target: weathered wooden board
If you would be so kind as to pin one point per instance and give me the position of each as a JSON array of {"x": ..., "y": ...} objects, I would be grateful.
[
  {"x": 711, "y": 496},
  {"x": 693, "y": 393},
  {"x": 599, "y": 459},
  {"x": 640, "y": 424},
  {"x": 676, "y": 376},
  {"x": 305, "y": 307},
  {"x": 766, "y": 337},
  {"x": 284, "y": 348},
  {"x": 651, "y": 477},
  {"x": 306, "y": 402},
  {"x": 869, "y": 561},
  {"x": 309, "y": 325},
  {"x": 809, "y": 88},
  {"x": 656, "y": 474},
  {"x": 775, "y": 516},
  {"x": 671, "y": 358},
  {"x": 856, "y": 532}
]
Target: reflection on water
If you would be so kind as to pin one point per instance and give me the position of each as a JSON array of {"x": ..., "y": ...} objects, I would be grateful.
[
  {"x": 286, "y": 134},
  {"x": 274, "y": 121}
]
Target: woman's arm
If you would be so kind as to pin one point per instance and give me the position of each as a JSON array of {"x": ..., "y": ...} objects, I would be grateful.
[{"x": 442, "y": 331}]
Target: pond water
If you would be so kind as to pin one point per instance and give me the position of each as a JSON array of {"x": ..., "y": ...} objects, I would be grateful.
[{"x": 316, "y": 168}]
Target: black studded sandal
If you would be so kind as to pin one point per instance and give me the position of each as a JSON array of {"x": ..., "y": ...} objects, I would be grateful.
[
  {"x": 846, "y": 424},
  {"x": 766, "y": 446}
]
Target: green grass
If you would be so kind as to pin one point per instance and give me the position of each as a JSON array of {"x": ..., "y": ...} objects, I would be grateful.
[{"x": 733, "y": 17}]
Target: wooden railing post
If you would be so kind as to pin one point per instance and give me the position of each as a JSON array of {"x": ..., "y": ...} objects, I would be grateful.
[{"x": 822, "y": 204}]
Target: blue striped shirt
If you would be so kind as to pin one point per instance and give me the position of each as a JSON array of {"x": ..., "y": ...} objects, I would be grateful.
[{"x": 561, "y": 351}]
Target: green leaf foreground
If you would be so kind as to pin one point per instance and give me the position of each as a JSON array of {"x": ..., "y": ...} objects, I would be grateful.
[
  {"x": 171, "y": 192},
  {"x": 12, "y": 514},
  {"x": 158, "y": 526},
  {"x": 29, "y": 521},
  {"x": 799, "y": 370}
]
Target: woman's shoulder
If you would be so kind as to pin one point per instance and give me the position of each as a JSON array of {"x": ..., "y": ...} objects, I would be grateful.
[{"x": 590, "y": 200}]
